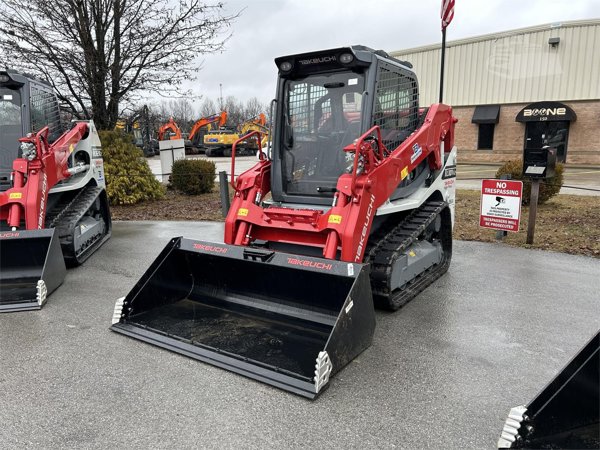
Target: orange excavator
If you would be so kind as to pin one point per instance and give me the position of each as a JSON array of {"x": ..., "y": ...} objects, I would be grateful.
[
  {"x": 169, "y": 130},
  {"x": 203, "y": 125}
]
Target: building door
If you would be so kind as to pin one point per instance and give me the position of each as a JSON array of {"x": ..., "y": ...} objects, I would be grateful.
[
  {"x": 547, "y": 123},
  {"x": 554, "y": 134}
]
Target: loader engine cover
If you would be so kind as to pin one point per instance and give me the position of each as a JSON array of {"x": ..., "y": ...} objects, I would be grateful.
[{"x": 287, "y": 320}]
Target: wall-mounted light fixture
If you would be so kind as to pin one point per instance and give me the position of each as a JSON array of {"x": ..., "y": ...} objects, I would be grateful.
[{"x": 554, "y": 41}]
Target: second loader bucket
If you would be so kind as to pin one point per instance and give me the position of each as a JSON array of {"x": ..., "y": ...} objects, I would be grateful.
[
  {"x": 286, "y": 320},
  {"x": 31, "y": 267}
]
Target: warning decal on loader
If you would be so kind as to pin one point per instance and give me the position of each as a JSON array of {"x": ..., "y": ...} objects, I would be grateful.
[
  {"x": 242, "y": 212},
  {"x": 404, "y": 173},
  {"x": 334, "y": 218}
]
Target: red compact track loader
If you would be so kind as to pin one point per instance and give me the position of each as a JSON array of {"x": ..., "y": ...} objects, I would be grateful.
[
  {"x": 354, "y": 204},
  {"x": 53, "y": 205}
]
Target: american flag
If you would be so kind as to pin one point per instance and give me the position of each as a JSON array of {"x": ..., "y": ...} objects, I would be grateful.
[{"x": 447, "y": 12}]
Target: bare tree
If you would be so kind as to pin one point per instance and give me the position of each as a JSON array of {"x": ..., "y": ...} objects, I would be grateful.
[
  {"x": 99, "y": 54},
  {"x": 163, "y": 112},
  {"x": 182, "y": 112},
  {"x": 254, "y": 107},
  {"x": 208, "y": 108},
  {"x": 235, "y": 111}
]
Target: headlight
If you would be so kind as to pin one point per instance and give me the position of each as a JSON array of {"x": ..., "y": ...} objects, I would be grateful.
[
  {"x": 285, "y": 66},
  {"x": 4, "y": 78},
  {"x": 346, "y": 58}
]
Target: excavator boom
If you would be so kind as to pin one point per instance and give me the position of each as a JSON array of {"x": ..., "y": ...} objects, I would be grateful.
[
  {"x": 169, "y": 130},
  {"x": 221, "y": 143},
  {"x": 217, "y": 120}
]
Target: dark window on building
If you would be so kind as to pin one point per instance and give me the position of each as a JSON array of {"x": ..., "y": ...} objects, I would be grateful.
[
  {"x": 396, "y": 105},
  {"x": 486, "y": 136},
  {"x": 486, "y": 116},
  {"x": 45, "y": 112}
]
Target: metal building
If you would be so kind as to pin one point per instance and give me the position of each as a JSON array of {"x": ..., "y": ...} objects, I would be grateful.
[{"x": 528, "y": 87}]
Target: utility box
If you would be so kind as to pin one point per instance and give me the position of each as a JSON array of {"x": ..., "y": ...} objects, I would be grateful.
[
  {"x": 170, "y": 151},
  {"x": 539, "y": 162}
]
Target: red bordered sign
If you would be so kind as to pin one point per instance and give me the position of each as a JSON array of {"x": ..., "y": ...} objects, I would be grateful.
[{"x": 501, "y": 204}]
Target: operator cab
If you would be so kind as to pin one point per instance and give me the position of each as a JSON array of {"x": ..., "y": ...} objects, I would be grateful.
[
  {"x": 325, "y": 101},
  {"x": 26, "y": 105}
]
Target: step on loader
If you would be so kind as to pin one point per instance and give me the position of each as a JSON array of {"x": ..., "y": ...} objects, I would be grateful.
[
  {"x": 354, "y": 204},
  {"x": 53, "y": 204}
]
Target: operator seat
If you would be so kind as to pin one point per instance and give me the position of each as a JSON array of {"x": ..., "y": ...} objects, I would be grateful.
[{"x": 332, "y": 158}]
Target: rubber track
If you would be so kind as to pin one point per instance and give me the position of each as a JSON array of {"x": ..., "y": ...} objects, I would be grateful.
[
  {"x": 386, "y": 250},
  {"x": 65, "y": 216}
]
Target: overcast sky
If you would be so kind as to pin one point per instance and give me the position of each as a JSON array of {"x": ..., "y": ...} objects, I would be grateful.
[{"x": 270, "y": 28}]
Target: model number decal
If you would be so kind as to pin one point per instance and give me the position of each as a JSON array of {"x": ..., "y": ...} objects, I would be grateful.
[
  {"x": 417, "y": 151},
  {"x": 449, "y": 172}
]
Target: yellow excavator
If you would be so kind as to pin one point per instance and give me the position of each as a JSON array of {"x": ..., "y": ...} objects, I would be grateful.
[
  {"x": 203, "y": 126},
  {"x": 220, "y": 142}
]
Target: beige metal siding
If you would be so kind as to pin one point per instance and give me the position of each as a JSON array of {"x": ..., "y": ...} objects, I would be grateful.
[{"x": 513, "y": 67}]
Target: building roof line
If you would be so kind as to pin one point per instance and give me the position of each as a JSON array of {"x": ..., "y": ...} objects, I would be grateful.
[{"x": 501, "y": 34}]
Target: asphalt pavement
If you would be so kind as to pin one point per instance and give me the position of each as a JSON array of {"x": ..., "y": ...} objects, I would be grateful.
[
  {"x": 442, "y": 373},
  {"x": 578, "y": 180}
]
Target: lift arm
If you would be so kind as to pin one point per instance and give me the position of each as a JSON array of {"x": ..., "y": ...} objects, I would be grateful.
[
  {"x": 375, "y": 175},
  {"x": 41, "y": 167}
]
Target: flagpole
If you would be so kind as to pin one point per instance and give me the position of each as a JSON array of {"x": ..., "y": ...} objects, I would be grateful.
[{"x": 443, "y": 58}]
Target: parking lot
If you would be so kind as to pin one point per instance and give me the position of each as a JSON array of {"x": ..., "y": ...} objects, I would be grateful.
[
  {"x": 578, "y": 180},
  {"x": 442, "y": 372}
]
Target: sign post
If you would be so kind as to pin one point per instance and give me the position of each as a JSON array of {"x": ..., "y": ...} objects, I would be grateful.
[
  {"x": 501, "y": 204},
  {"x": 533, "y": 203}
]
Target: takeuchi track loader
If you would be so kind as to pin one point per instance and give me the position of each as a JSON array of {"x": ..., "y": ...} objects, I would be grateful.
[
  {"x": 353, "y": 205},
  {"x": 53, "y": 204}
]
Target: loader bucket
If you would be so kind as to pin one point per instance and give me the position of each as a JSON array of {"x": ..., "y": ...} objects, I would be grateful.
[
  {"x": 31, "y": 267},
  {"x": 566, "y": 413},
  {"x": 286, "y": 320}
]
